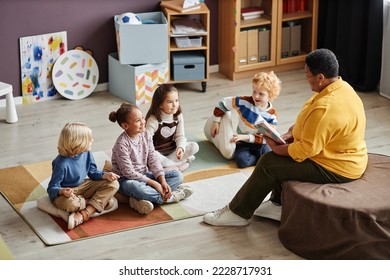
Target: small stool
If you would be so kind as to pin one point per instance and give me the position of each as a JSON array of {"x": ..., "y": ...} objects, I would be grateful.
[{"x": 11, "y": 115}]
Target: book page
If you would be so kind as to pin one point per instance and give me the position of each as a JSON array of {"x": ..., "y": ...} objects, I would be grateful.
[{"x": 266, "y": 129}]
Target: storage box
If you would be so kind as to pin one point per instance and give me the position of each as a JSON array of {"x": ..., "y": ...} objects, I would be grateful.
[
  {"x": 264, "y": 45},
  {"x": 135, "y": 83},
  {"x": 285, "y": 41},
  {"x": 295, "y": 40},
  {"x": 145, "y": 43},
  {"x": 188, "y": 66},
  {"x": 188, "y": 42}
]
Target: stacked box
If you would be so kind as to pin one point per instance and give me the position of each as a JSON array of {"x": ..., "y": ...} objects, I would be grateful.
[
  {"x": 135, "y": 83},
  {"x": 188, "y": 66},
  {"x": 144, "y": 43}
]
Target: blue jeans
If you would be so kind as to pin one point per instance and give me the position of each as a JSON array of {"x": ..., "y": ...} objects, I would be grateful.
[
  {"x": 141, "y": 190},
  {"x": 247, "y": 154}
]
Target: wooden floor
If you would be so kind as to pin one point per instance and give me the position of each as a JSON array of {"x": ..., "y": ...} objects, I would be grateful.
[{"x": 34, "y": 138}]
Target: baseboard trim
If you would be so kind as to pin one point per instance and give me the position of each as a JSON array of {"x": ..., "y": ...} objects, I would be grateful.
[{"x": 100, "y": 87}]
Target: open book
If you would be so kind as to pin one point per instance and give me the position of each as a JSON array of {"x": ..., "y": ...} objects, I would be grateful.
[{"x": 265, "y": 128}]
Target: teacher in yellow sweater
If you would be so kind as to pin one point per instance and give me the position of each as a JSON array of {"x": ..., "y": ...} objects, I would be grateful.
[{"x": 325, "y": 145}]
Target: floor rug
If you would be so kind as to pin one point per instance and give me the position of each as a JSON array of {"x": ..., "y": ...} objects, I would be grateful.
[{"x": 214, "y": 180}]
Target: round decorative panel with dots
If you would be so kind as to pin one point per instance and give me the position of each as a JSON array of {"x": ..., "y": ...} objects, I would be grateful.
[{"x": 75, "y": 74}]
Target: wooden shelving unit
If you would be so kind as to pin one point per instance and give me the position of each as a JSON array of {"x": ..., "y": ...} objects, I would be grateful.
[
  {"x": 230, "y": 25},
  {"x": 203, "y": 15}
]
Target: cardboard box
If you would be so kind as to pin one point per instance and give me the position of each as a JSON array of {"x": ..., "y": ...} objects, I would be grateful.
[
  {"x": 135, "y": 83},
  {"x": 264, "y": 45},
  {"x": 145, "y": 43},
  {"x": 243, "y": 48},
  {"x": 286, "y": 41},
  {"x": 295, "y": 40},
  {"x": 188, "y": 66},
  {"x": 253, "y": 46}
]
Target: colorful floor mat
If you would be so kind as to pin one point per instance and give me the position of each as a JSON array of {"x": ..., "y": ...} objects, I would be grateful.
[{"x": 214, "y": 180}]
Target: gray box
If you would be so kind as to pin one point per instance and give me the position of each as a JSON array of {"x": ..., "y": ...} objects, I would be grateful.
[
  {"x": 286, "y": 41},
  {"x": 135, "y": 83},
  {"x": 264, "y": 39},
  {"x": 144, "y": 43},
  {"x": 295, "y": 40},
  {"x": 188, "y": 66}
]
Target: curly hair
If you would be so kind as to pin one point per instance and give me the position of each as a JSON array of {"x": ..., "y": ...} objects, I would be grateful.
[
  {"x": 120, "y": 115},
  {"x": 75, "y": 138},
  {"x": 323, "y": 61},
  {"x": 269, "y": 81}
]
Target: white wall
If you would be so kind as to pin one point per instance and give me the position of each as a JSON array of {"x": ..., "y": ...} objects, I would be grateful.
[{"x": 384, "y": 88}]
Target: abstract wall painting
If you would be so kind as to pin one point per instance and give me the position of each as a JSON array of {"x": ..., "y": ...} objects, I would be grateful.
[{"x": 37, "y": 56}]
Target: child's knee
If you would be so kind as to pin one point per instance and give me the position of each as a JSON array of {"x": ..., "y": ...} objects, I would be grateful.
[
  {"x": 242, "y": 163},
  {"x": 71, "y": 204},
  {"x": 114, "y": 185},
  {"x": 192, "y": 147}
]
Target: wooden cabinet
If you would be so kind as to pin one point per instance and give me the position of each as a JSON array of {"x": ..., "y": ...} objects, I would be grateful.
[
  {"x": 201, "y": 15},
  {"x": 237, "y": 37}
]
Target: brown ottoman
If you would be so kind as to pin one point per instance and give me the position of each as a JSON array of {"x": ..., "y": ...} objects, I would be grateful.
[{"x": 339, "y": 221}]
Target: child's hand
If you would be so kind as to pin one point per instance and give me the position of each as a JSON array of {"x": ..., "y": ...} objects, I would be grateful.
[
  {"x": 111, "y": 176},
  {"x": 67, "y": 192},
  {"x": 239, "y": 137},
  {"x": 167, "y": 192},
  {"x": 163, "y": 188},
  {"x": 179, "y": 153},
  {"x": 214, "y": 129}
]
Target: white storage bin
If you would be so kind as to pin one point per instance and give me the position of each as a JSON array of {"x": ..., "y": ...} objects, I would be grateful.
[{"x": 188, "y": 42}]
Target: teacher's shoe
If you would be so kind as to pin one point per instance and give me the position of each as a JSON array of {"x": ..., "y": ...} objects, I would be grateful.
[
  {"x": 224, "y": 217},
  {"x": 269, "y": 210}
]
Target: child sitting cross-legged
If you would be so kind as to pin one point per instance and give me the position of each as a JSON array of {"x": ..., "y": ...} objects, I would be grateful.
[
  {"x": 69, "y": 189},
  {"x": 142, "y": 177},
  {"x": 165, "y": 122}
]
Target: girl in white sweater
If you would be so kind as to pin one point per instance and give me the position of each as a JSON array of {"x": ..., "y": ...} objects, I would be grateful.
[{"x": 165, "y": 122}]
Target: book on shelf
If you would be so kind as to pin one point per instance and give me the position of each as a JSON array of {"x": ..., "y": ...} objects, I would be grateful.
[
  {"x": 180, "y": 6},
  {"x": 250, "y": 17},
  {"x": 266, "y": 129},
  {"x": 293, "y": 6},
  {"x": 255, "y": 10},
  {"x": 190, "y": 3}
]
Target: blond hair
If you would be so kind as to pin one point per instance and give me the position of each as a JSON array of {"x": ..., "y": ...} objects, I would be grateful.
[
  {"x": 74, "y": 139},
  {"x": 269, "y": 81}
]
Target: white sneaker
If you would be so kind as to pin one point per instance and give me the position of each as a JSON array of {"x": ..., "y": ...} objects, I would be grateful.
[
  {"x": 111, "y": 206},
  {"x": 269, "y": 210},
  {"x": 224, "y": 217},
  {"x": 141, "y": 206},
  {"x": 182, "y": 192}
]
